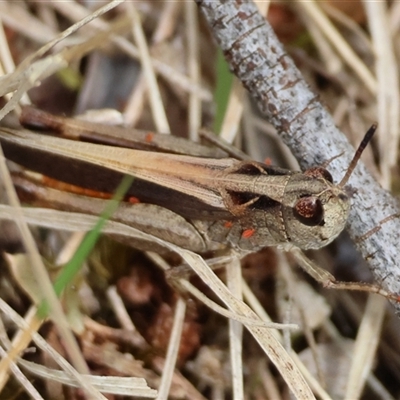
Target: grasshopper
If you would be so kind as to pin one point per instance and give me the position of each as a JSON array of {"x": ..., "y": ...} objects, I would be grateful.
[{"x": 190, "y": 194}]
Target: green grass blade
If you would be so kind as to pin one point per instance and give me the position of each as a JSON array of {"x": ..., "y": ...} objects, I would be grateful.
[
  {"x": 73, "y": 266},
  {"x": 222, "y": 91}
]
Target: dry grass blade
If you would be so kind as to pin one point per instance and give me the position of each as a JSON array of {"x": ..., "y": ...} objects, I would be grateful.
[
  {"x": 365, "y": 347},
  {"x": 22, "y": 378},
  {"x": 154, "y": 94},
  {"x": 193, "y": 69},
  {"x": 173, "y": 348},
  {"x": 234, "y": 284},
  {"x": 27, "y": 76},
  {"x": 118, "y": 385},
  {"x": 348, "y": 55},
  {"x": 388, "y": 96},
  {"x": 41, "y": 343},
  {"x": 40, "y": 273},
  {"x": 57, "y": 219}
]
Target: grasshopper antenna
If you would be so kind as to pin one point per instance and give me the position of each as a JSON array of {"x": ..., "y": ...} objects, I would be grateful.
[{"x": 364, "y": 143}]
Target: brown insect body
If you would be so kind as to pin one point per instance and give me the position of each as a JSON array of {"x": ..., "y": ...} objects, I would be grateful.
[{"x": 267, "y": 206}]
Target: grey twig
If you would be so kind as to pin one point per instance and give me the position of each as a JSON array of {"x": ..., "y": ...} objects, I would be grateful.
[{"x": 257, "y": 58}]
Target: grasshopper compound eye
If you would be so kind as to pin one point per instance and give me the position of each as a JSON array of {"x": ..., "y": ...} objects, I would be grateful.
[{"x": 309, "y": 211}]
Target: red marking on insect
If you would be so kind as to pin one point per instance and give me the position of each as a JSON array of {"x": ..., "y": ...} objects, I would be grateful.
[
  {"x": 67, "y": 187},
  {"x": 149, "y": 137},
  {"x": 268, "y": 161},
  {"x": 248, "y": 233},
  {"x": 133, "y": 200},
  {"x": 228, "y": 224}
]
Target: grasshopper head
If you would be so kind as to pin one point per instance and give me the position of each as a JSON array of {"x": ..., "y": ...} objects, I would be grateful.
[{"x": 314, "y": 216}]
